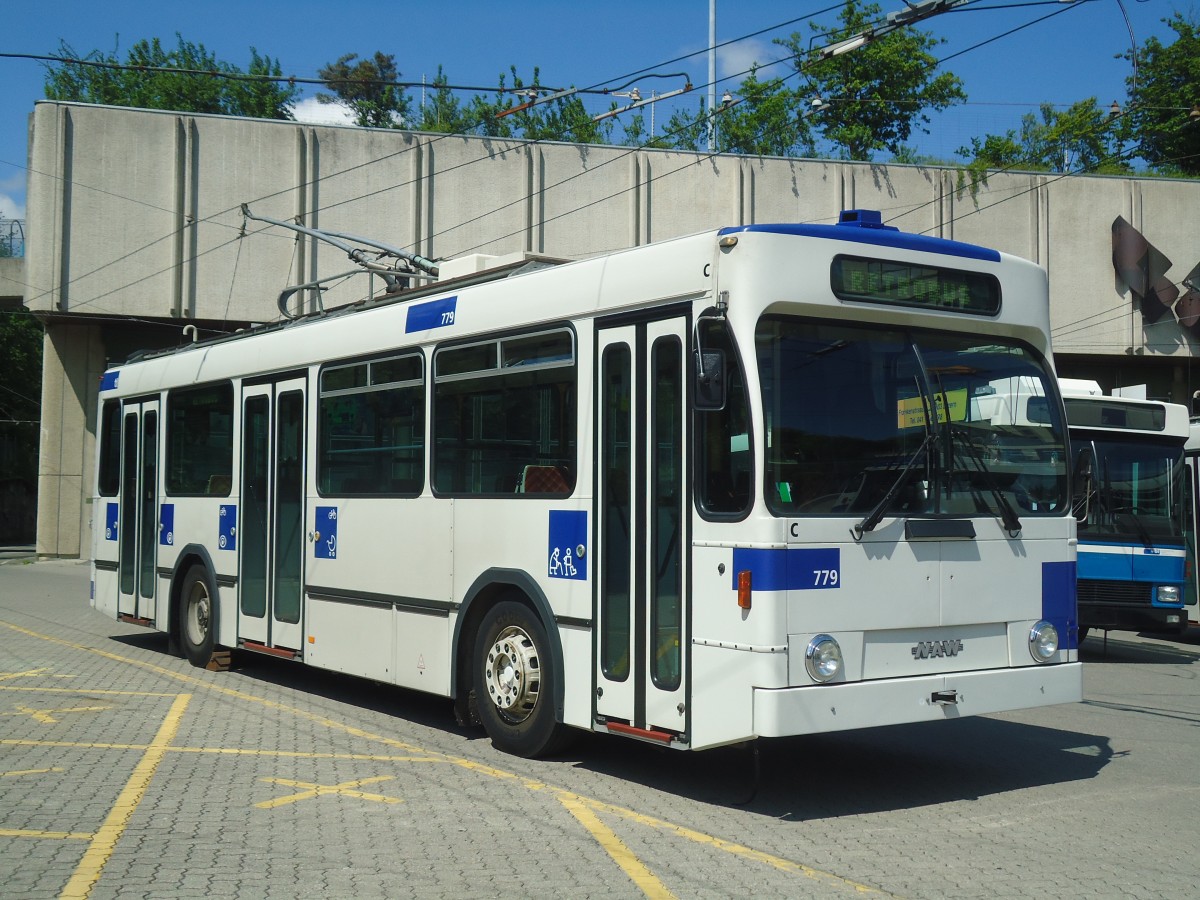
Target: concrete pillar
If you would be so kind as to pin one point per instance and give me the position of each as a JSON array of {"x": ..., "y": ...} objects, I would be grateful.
[{"x": 72, "y": 363}]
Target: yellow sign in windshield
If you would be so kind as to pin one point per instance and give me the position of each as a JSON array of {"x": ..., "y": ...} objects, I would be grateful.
[{"x": 910, "y": 412}]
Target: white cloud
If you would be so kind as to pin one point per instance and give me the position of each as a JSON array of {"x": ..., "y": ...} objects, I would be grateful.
[
  {"x": 311, "y": 111},
  {"x": 12, "y": 196},
  {"x": 736, "y": 60}
]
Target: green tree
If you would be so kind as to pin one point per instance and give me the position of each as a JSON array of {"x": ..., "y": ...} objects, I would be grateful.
[
  {"x": 187, "y": 78},
  {"x": 861, "y": 102},
  {"x": 369, "y": 87},
  {"x": 1081, "y": 138},
  {"x": 20, "y": 397},
  {"x": 765, "y": 120},
  {"x": 1160, "y": 100},
  {"x": 513, "y": 113},
  {"x": 443, "y": 112},
  {"x": 875, "y": 96}
]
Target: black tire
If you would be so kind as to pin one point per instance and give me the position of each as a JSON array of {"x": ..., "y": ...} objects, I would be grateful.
[
  {"x": 514, "y": 681},
  {"x": 197, "y": 617}
]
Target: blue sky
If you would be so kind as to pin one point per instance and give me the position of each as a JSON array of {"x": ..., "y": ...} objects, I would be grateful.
[{"x": 1067, "y": 57}]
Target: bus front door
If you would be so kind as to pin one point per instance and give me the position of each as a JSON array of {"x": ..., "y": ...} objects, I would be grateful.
[
  {"x": 137, "y": 518},
  {"x": 271, "y": 530},
  {"x": 642, "y": 593}
]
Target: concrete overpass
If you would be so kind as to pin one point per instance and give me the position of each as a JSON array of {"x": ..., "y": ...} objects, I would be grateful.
[{"x": 135, "y": 231}]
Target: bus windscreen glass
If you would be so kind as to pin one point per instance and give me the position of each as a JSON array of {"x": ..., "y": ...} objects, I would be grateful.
[{"x": 849, "y": 407}]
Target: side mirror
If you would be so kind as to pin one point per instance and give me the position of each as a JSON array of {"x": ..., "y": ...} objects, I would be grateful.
[{"x": 709, "y": 393}]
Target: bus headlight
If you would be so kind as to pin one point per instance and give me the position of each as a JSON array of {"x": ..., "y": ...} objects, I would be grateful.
[
  {"x": 823, "y": 658},
  {"x": 1167, "y": 593},
  {"x": 1043, "y": 641}
]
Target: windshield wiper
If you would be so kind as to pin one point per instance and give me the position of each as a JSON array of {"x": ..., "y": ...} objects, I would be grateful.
[
  {"x": 872, "y": 518},
  {"x": 1142, "y": 532},
  {"x": 1008, "y": 516}
]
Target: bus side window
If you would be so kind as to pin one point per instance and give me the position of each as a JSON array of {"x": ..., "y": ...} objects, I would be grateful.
[
  {"x": 108, "y": 480},
  {"x": 200, "y": 440},
  {"x": 725, "y": 463}
]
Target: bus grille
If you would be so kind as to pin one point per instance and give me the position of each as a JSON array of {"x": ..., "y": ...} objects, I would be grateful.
[{"x": 1124, "y": 592}]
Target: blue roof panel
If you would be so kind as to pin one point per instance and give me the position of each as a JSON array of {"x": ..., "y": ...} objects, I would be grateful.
[{"x": 880, "y": 237}]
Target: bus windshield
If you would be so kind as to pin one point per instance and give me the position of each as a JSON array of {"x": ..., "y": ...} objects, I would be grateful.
[
  {"x": 863, "y": 418},
  {"x": 1128, "y": 487}
]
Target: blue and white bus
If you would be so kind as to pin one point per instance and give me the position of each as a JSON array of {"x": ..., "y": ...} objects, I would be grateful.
[
  {"x": 1129, "y": 501},
  {"x": 746, "y": 483}
]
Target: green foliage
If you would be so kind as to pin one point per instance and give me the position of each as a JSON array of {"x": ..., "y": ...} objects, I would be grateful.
[
  {"x": 369, "y": 87},
  {"x": 443, "y": 112},
  {"x": 878, "y": 94},
  {"x": 190, "y": 89},
  {"x": 1161, "y": 99},
  {"x": 1082, "y": 138},
  {"x": 862, "y": 102}
]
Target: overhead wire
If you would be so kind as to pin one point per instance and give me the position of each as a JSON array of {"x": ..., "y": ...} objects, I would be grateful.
[{"x": 692, "y": 160}]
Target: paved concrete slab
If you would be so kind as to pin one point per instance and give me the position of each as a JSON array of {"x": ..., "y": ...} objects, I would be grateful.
[{"x": 124, "y": 772}]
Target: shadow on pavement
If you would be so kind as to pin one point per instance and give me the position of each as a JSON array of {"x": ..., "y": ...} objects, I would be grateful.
[{"x": 799, "y": 778}]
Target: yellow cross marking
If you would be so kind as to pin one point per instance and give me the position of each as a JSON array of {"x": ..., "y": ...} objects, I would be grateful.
[
  {"x": 44, "y": 715},
  {"x": 346, "y": 789},
  {"x": 30, "y": 673},
  {"x": 14, "y": 774}
]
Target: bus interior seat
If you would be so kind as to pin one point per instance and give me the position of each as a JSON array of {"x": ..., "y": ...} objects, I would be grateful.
[{"x": 543, "y": 480}]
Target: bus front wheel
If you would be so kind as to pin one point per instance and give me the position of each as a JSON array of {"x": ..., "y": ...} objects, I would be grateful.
[
  {"x": 198, "y": 617},
  {"x": 514, "y": 681}
]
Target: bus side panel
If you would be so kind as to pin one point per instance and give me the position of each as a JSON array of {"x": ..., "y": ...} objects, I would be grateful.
[
  {"x": 390, "y": 559},
  {"x": 521, "y": 541},
  {"x": 723, "y": 688},
  {"x": 105, "y": 530}
]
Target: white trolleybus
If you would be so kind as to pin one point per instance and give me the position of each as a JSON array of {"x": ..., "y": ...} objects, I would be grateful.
[
  {"x": 749, "y": 483},
  {"x": 1128, "y": 498}
]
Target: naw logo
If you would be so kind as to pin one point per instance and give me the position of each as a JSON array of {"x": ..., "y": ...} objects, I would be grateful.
[{"x": 1143, "y": 268}]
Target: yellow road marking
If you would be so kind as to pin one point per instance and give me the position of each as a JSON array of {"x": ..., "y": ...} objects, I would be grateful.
[
  {"x": 87, "y": 873},
  {"x": 50, "y": 690},
  {"x": 615, "y": 847},
  {"x": 44, "y": 715},
  {"x": 345, "y": 789},
  {"x": 50, "y": 835},
  {"x": 29, "y": 772},
  {"x": 226, "y": 751},
  {"x": 470, "y": 765},
  {"x": 30, "y": 673},
  {"x": 785, "y": 865}
]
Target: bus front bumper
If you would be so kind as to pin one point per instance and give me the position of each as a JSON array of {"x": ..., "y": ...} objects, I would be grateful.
[{"x": 868, "y": 704}]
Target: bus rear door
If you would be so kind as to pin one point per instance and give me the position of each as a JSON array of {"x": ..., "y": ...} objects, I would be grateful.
[{"x": 138, "y": 525}]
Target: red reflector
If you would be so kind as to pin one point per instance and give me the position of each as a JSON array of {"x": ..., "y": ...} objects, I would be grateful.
[
  {"x": 744, "y": 589},
  {"x": 648, "y": 733}
]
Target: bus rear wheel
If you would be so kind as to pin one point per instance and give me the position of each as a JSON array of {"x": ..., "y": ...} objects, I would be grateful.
[
  {"x": 198, "y": 617},
  {"x": 514, "y": 681}
]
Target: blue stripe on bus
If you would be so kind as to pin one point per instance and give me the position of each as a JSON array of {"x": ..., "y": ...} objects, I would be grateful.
[
  {"x": 1133, "y": 564},
  {"x": 109, "y": 381},
  {"x": 776, "y": 569},
  {"x": 878, "y": 236},
  {"x": 434, "y": 314},
  {"x": 1058, "y": 601}
]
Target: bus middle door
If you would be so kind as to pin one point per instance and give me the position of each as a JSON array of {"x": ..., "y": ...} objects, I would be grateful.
[
  {"x": 271, "y": 530},
  {"x": 642, "y": 591}
]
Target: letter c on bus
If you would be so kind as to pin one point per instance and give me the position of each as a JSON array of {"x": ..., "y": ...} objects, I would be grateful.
[
  {"x": 707, "y": 267},
  {"x": 792, "y": 529}
]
